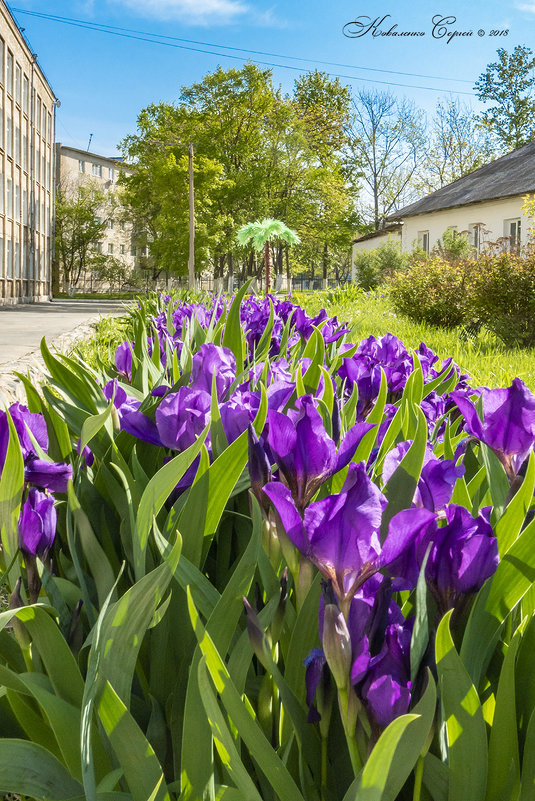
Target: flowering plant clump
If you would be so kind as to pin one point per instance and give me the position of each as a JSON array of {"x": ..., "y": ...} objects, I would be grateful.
[{"x": 252, "y": 559}]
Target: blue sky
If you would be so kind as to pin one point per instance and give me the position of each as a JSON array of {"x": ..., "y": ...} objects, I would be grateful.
[{"x": 104, "y": 80}]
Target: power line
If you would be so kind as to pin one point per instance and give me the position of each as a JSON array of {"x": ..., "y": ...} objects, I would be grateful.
[
  {"x": 117, "y": 32},
  {"x": 157, "y": 36}
]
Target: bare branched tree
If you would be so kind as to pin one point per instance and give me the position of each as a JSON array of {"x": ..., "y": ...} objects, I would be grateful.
[{"x": 387, "y": 140}]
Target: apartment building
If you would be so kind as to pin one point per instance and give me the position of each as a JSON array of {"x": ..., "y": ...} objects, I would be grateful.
[
  {"x": 75, "y": 167},
  {"x": 27, "y": 116}
]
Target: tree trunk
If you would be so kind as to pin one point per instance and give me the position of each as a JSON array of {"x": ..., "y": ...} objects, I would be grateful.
[
  {"x": 288, "y": 276},
  {"x": 267, "y": 265},
  {"x": 325, "y": 262},
  {"x": 230, "y": 278}
]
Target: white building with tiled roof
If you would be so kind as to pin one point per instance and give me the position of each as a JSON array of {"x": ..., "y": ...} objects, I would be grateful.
[{"x": 486, "y": 204}]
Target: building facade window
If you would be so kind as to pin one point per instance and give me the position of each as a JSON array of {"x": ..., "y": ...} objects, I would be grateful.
[
  {"x": 9, "y": 135},
  {"x": 96, "y": 170},
  {"x": 513, "y": 232},
  {"x": 112, "y": 174},
  {"x": 9, "y": 252},
  {"x": 25, "y": 94},
  {"x": 2, "y": 50},
  {"x": 9, "y": 197},
  {"x": 423, "y": 240},
  {"x": 110, "y": 248},
  {"x": 81, "y": 165},
  {"x": 122, "y": 250},
  {"x": 110, "y": 224},
  {"x": 18, "y": 83},
  {"x": 9, "y": 72}
]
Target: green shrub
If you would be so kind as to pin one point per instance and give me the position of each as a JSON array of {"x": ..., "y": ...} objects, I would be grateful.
[
  {"x": 454, "y": 245},
  {"x": 374, "y": 267},
  {"x": 433, "y": 290},
  {"x": 503, "y": 296}
]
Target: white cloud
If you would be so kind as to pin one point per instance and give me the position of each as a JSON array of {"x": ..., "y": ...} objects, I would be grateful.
[
  {"x": 530, "y": 7},
  {"x": 197, "y": 12}
]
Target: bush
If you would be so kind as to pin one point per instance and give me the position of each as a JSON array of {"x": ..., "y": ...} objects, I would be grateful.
[
  {"x": 374, "y": 267},
  {"x": 433, "y": 290},
  {"x": 503, "y": 296},
  {"x": 454, "y": 245}
]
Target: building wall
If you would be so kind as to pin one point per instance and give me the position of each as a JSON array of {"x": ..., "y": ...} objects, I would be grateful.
[
  {"x": 493, "y": 215},
  {"x": 26, "y": 169},
  {"x": 75, "y": 167},
  {"x": 375, "y": 242}
]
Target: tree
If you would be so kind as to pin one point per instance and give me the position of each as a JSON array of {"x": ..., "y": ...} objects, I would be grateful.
[
  {"x": 387, "y": 142},
  {"x": 258, "y": 154},
  {"x": 457, "y": 145},
  {"x": 78, "y": 229},
  {"x": 508, "y": 83},
  {"x": 261, "y": 235}
]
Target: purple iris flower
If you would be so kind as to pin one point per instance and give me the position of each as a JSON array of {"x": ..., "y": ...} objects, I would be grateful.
[
  {"x": 122, "y": 402},
  {"x": 182, "y": 416},
  {"x": 305, "y": 454},
  {"x": 23, "y": 420},
  {"x": 360, "y": 370},
  {"x": 340, "y": 534},
  {"x": 53, "y": 476},
  {"x": 123, "y": 359},
  {"x": 508, "y": 425},
  {"x": 390, "y": 354},
  {"x": 463, "y": 556},
  {"x": 87, "y": 454},
  {"x": 37, "y": 523},
  {"x": 437, "y": 479},
  {"x": 316, "y": 672},
  {"x": 213, "y": 360},
  {"x": 236, "y": 413},
  {"x": 386, "y": 690}
]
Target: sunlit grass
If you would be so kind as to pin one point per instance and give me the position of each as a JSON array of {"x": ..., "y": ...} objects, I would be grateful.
[
  {"x": 484, "y": 357},
  {"x": 100, "y": 348}
]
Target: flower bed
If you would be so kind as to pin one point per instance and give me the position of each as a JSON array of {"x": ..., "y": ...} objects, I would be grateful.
[{"x": 253, "y": 560}]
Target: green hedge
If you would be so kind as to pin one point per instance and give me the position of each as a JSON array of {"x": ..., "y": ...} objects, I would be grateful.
[{"x": 496, "y": 290}]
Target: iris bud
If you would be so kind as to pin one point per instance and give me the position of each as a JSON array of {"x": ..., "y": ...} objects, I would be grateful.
[{"x": 337, "y": 645}]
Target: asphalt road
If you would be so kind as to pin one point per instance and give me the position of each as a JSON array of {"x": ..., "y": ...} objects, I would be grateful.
[{"x": 22, "y": 327}]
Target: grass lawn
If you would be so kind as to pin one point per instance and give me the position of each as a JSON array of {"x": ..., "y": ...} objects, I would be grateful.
[{"x": 487, "y": 360}]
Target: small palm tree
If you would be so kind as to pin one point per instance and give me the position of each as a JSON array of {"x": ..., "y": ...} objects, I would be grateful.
[{"x": 261, "y": 235}]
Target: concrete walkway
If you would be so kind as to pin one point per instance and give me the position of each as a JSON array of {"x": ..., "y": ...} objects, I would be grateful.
[{"x": 22, "y": 328}]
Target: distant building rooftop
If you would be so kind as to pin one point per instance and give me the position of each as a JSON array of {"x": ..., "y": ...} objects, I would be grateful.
[
  {"x": 510, "y": 175},
  {"x": 87, "y": 153}
]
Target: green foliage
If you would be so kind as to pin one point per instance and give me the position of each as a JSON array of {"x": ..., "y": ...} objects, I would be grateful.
[
  {"x": 503, "y": 296},
  {"x": 258, "y": 154},
  {"x": 508, "y": 83},
  {"x": 484, "y": 356},
  {"x": 77, "y": 230},
  {"x": 372, "y": 268},
  {"x": 154, "y": 689},
  {"x": 453, "y": 245},
  {"x": 433, "y": 290}
]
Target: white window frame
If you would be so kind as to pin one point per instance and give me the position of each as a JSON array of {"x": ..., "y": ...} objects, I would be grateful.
[
  {"x": 513, "y": 231},
  {"x": 423, "y": 240}
]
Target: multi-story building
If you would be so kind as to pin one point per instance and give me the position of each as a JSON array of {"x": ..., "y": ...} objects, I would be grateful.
[
  {"x": 27, "y": 116},
  {"x": 75, "y": 167}
]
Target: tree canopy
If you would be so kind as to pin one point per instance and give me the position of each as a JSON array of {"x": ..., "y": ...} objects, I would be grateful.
[
  {"x": 508, "y": 84},
  {"x": 258, "y": 154}
]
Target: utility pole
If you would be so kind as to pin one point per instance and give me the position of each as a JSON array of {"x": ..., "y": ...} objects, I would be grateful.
[{"x": 191, "y": 259}]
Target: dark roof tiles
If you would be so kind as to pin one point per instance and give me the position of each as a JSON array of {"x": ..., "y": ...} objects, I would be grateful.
[{"x": 512, "y": 174}]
